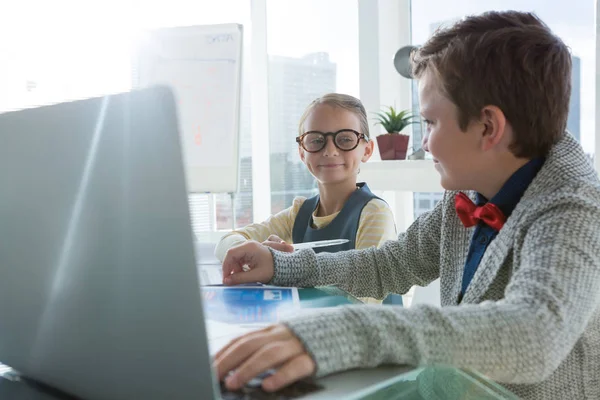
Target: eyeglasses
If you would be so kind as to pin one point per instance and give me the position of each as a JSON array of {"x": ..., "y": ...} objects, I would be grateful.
[{"x": 345, "y": 140}]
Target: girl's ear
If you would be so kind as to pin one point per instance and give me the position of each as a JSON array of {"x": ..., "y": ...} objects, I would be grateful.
[
  {"x": 368, "y": 151},
  {"x": 301, "y": 153}
]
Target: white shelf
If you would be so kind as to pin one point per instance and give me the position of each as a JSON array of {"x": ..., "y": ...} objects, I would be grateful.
[{"x": 401, "y": 175}]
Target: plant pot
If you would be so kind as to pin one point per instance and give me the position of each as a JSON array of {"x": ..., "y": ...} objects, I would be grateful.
[{"x": 392, "y": 146}]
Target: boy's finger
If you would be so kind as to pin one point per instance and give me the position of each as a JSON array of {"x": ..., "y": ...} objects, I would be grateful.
[
  {"x": 251, "y": 276},
  {"x": 301, "y": 366},
  {"x": 244, "y": 347},
  {"x": 271, "y": 355},
  {"x": 224, "y": 349},
  {"x": 235, "y": 259}
]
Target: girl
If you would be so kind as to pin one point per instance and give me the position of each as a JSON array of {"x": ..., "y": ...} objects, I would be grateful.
[{"x": 333, "y": 140}]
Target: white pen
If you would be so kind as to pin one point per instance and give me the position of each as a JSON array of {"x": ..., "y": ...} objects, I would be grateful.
[{"x": 319, "y": 243}]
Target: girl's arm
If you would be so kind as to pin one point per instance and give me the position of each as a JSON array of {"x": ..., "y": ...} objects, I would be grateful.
[
  {"x": 376, "y": 225},
  {"x": 280, "y": 224}
]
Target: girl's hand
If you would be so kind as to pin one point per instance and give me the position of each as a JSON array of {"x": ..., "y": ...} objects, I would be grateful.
[
  {"x": 257, "y": 352},
  {"x": 275, "y": 242}
]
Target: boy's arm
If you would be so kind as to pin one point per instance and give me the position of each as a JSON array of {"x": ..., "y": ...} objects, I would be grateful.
[
  {"x": 280, "y": 224},
  {"x": 520, "y": 339},
  {"x": 395, "y": 267}
]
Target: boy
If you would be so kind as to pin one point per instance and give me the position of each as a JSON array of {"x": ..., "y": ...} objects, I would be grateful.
[{"x": 515, "y": 241}]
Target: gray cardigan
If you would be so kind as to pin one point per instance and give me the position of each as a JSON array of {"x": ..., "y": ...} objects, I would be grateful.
[{"x": 530, "y": 318}]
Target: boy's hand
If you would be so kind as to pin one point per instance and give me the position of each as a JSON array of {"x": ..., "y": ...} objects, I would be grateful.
[
  {"x": 254, "y": 353},
  {"x": 275, "y": 242},
  {"x": 250, "y": 262}
]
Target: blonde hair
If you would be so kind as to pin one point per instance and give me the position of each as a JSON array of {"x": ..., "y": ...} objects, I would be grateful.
[{"x": 340, "y": 100}]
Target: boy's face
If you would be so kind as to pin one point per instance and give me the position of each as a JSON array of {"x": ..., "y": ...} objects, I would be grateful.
[{"x": 456, "y": 154}]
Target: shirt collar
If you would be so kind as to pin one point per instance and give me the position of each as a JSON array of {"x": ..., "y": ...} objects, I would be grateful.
[{"x": 511, "y": 192}]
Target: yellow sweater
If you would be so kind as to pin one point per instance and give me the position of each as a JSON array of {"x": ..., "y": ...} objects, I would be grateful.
[{"x": 376, "y": 225}]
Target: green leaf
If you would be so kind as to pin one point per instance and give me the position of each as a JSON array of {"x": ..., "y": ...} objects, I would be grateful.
[
  {"x": 393, "y": 120},
  {"x": 383, "y": 119}
]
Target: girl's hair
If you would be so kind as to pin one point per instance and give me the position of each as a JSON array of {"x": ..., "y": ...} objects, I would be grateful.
[{"x": 344, "y": 101}]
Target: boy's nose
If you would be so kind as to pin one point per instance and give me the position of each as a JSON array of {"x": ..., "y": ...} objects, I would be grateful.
[{"x": 425, "y": 143}]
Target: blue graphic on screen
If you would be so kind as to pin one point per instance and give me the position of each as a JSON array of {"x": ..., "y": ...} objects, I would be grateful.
[{"x": 239, "y": 305}]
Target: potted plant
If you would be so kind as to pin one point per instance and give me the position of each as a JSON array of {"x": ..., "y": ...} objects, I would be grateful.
[{"x": 393, "y": 145}]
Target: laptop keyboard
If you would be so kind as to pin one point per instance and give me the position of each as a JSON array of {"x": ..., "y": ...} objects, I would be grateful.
[
  {"x": 253, "y": 390},
  {"x": 13, "y": 387}
]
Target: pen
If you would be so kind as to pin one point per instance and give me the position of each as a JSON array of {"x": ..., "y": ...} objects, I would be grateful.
[
  {"x": 255, "y": 284},
  {"x": 319, "y": 243}
]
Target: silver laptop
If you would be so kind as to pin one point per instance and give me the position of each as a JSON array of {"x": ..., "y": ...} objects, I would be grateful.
[{"x": 99, "y": 291}]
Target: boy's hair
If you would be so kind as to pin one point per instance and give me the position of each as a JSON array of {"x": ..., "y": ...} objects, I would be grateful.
[
  {"x": 340, "y": 100},
  {"x": 511, "y": 60}
]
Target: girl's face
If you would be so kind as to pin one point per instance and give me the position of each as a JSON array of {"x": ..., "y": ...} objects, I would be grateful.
[{"x": 332, "y": 165}]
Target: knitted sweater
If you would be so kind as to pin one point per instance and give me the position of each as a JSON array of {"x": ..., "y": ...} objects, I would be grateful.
[{"x": 530, "y": 319}]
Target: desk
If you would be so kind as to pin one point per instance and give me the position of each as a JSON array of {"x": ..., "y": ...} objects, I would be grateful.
[
  {"x": 325, "y": 296},
  {"x": 393, "y": 382}
]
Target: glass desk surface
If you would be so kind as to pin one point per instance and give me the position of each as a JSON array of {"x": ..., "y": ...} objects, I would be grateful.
[{"x": 432, "y": 382}]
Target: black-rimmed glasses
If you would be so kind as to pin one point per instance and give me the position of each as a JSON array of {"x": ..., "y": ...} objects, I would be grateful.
[{"x": 344, "y": 139}]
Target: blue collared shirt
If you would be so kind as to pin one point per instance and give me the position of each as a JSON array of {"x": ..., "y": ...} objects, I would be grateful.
[{"x": 506, "y": 199}]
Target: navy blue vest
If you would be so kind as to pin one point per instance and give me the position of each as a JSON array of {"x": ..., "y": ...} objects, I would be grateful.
[{"x": 343, "y": 226}]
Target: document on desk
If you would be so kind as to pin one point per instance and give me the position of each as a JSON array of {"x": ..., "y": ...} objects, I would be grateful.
[
  {"x": 231, "y": 311},
  {"x": 247, "y": 305},
  {"x": 210, "y": 274},
  {"x": 220, "y": 333}
]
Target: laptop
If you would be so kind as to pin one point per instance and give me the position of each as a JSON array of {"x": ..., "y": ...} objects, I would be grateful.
[{"x": 99, "y": 295}]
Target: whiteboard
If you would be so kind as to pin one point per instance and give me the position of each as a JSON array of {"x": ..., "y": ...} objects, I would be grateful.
[{"x": 202, "y": 65}]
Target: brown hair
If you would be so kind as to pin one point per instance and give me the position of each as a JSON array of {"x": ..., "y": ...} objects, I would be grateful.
[
  {"x": 340, "y": 100},
  {"x": 508, "y": 59}
]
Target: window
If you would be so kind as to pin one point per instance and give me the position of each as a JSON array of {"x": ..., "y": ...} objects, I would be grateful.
[
  {"x": 215, "y": 212},
  {"x": 425, "y": 201},
  {"x": 67, "y": 49},
  {"x": 574, "y": 22},
  {"x": 313, "y": 50},
  {"x": 63, "y": 50}
]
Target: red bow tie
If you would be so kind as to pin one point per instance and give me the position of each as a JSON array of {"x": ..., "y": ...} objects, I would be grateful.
[{"x": 470, "y": 214}]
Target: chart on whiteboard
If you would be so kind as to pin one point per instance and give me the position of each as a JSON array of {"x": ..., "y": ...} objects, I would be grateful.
[
  {"x": 203, "y": 107},
  {"x": 202, "y": 65}
]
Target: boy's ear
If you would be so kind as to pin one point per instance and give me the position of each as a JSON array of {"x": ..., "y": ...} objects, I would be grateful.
[
  {"x": 368, "y": 151},
  {"x": 494, "y": 125}
]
